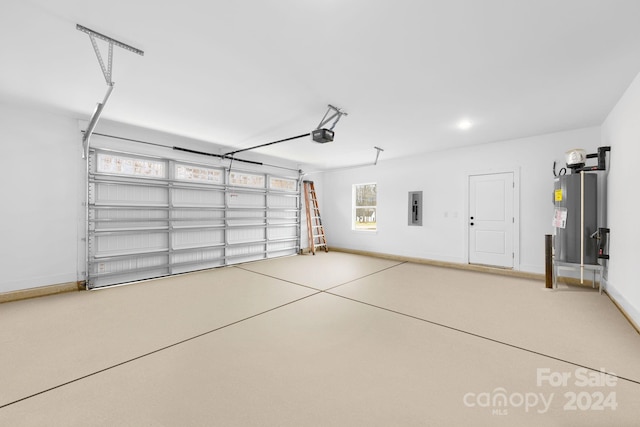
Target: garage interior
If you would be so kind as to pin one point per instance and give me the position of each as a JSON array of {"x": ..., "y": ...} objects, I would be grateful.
[{"x": 305, "y": 213}]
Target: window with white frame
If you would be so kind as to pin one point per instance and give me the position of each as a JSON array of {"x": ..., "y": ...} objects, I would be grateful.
[{"x": 364, "y": 207}]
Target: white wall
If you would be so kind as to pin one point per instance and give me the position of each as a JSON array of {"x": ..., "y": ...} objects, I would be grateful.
[
  {"x": 621, "y": 130},
  {"x": 40, "y": 189},
  {"x": 442, "y": 176}
]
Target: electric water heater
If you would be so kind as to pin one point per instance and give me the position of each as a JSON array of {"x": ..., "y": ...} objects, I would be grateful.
[{"x": 576, "y": 222}]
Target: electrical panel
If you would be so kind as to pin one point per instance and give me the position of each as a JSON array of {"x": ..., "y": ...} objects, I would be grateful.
[{"x": 415, "y": 208}]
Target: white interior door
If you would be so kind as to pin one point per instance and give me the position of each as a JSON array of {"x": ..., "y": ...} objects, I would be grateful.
[{"x": 491, "y": 219}]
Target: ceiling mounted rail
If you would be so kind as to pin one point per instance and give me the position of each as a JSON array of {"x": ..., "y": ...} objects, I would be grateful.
[
  {"x": 107, "y": 71},
  {"x": 319, "y": 134},
  {"x": 109, "y": 40},
  {"x": 231, "y": 153},
  {"x": 339, "y": 168}
]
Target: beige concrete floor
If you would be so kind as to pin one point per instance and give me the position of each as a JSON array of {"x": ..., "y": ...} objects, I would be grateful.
[{"x": 331, "y": 339}]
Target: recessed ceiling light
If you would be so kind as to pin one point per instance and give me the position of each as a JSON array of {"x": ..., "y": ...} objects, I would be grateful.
[{"x": 464, "y": 124}]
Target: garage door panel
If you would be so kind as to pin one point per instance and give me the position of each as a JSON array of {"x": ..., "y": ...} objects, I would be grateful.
[
  {"x": 149, "y": 217},
  {"x": 278, "y": 233},
  {"x": 182, "y": 219},
  {"x": 245, "y": 253},
  {"x": 247, "y": 200},
  {"x": 123, "y": 225},
  {"x": 246, "y": 235},
  {"x": 129, "y": 194},
  {"x": 129, "y": 244},
  {"x": 278, "y": 249},
  {"x": 211, "y": 255},
  {"x": 110, "y": 270},
  {"x": 282, "y": 201},
  {"x": 197, "y": 260},
  {"x": 121, "y": 214},
  {"x": 199, "y": 238},
  {"x": 198, "y": 197},
  {"x": 251, "y": 215},
  {"x": 128, "y": 276}
]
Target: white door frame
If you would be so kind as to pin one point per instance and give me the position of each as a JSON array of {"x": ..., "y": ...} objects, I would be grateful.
[{"x": 516, "y": 211}]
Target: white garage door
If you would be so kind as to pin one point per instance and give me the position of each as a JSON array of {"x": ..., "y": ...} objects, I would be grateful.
[{"x": 151, "y": 217}]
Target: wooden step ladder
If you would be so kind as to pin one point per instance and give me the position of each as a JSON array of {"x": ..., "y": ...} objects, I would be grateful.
[{"x": 315, "y": 230}]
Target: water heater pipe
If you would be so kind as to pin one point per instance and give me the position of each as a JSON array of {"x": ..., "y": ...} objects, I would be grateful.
[{"x": 581, "y": 227}]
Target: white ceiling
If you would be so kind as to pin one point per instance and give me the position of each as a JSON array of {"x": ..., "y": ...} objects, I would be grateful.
[{"x": 242, "y": 73}]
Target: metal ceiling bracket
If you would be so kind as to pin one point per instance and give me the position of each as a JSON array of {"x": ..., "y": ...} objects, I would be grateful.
[
  {"x": 337, "y": 114},
  {"x": 377, "y": 154},
  {"x": 109, "y": 40},
  {"x": 107, "y": 72}
]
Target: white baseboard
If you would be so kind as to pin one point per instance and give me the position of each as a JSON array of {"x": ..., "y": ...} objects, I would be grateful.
[
  {"x": 40, "y": 291},
  {"x": 442, "y": 263},
  {"x": 628, "y": 309},
  {"x": 31, "y": 282}
]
